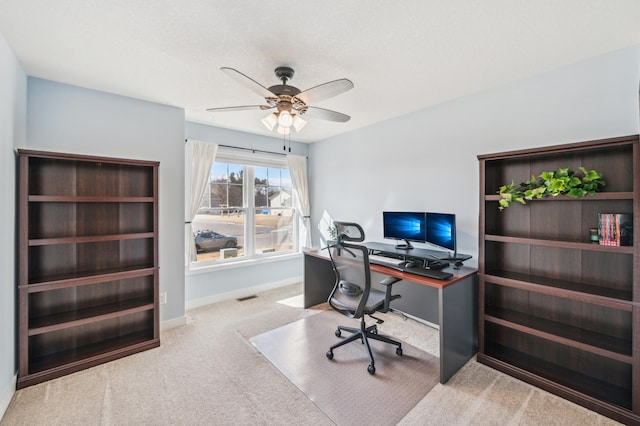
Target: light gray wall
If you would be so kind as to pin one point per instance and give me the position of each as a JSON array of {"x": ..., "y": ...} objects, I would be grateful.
[
  {"x": 210, "y": 285},
  {"x": 70, "y": 119},
  {"x": 13, "y": 120},
  {"x": 427, "y": 160}
]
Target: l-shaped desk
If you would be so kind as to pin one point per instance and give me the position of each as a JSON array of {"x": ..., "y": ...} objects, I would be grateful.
[{"x": 451, "y": 304}]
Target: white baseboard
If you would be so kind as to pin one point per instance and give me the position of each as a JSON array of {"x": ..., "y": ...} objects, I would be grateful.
[
  {"x": 8, "y": 394},
  {"x": 172, "y": 323},
  {"x": 240, "y": 293}
]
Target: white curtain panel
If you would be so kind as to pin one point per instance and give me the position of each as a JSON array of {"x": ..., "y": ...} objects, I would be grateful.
[
  {"x": 298, "y": 170},
  {"x": 198, "y": 157}
]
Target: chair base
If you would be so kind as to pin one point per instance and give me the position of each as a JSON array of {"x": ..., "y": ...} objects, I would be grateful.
[{"x": 363, "y": 334}]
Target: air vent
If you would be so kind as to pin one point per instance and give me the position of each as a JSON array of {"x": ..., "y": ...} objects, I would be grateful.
[{"x": 242, "y": 299}]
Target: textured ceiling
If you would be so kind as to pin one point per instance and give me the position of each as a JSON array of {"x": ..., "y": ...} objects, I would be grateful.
[{"x": 401, "y": 55}]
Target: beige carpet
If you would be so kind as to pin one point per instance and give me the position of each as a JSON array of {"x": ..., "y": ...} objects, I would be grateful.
[
  {"x": 208, "y": 373},
  {"x": 342, "y": 388}
]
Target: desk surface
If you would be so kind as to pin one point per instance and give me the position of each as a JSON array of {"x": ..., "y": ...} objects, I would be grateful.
[{"x": 458, "y": 274}]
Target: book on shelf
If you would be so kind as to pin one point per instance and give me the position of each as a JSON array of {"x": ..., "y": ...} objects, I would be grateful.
[{"x": 615, "y": 229}]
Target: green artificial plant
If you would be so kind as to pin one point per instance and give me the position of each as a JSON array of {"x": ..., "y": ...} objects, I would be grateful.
[
  {"x": 333, "y": 232},
  {"x": 559, "y": 182}
]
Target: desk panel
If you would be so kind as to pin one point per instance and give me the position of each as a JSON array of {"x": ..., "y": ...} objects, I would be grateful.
[
  {"x": 319, "y": 279},
  {"x": 458, "y": 325},
  {"x": 417, "y": 300}
]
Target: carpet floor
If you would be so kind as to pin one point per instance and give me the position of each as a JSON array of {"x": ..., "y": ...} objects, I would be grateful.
[
  {"x": 342, "y": 388},
  {"x": 208, "y": 373}
]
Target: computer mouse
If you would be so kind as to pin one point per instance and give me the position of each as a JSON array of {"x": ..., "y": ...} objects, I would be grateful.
[
  {"x": 459, "y": 264},
  {"x": 410, "y": 265}
]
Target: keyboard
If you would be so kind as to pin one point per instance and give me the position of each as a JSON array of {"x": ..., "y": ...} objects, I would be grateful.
[
  {"x": 429, "y": 273},
  {"x": 386, "y": 261}
]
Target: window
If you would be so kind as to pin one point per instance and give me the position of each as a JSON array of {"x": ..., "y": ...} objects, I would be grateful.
[{"x": 247, "y": 210}]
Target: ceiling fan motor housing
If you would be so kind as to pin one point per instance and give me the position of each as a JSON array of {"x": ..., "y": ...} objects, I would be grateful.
[
  {"x": 284, "y": 74},
  {"x": 284, "y": 89}
]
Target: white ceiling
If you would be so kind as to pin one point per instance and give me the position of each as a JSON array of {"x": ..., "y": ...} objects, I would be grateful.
[{"x": 401, "y": 55}]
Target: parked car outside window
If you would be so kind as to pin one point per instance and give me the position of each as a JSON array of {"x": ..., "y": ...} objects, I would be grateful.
[{"x": 209, "y": 240}]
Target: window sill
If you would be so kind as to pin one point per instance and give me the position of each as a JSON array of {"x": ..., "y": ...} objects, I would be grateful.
[{"x": 195, "y": 268}]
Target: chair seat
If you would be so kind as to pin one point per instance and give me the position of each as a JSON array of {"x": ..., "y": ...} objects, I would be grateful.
[{"x": 374, "y": 302}]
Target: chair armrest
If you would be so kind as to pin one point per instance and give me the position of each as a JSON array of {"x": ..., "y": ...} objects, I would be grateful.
[
  {"x": 388, "y": 283},
  {"x": 390, "y": 280}
]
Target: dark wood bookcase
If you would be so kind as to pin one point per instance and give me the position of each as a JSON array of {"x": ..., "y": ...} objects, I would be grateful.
[
  {"x": 88, "y": 262},
  {"x": 555, "y": 310}
]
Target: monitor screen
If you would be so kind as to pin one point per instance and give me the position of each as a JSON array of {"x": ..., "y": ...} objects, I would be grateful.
[
  {"x": 441, "y": 230},
  {"x": 408, "y": 226}
]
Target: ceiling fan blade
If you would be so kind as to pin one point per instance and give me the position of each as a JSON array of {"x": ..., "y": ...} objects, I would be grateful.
[
  {"x": 325, "y": 114},
  {"x": 248, "y": 82},
  {"x": 325, "y": 91},
  {"x": 240, "y": 108}
]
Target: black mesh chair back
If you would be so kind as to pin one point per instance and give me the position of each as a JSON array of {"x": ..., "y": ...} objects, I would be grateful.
[
  {"x": 349, "y": 295},
  {"x": 349, "y": 231}
]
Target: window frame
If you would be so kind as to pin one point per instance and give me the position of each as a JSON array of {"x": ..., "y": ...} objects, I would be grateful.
[{"x": 249, "y": 160}]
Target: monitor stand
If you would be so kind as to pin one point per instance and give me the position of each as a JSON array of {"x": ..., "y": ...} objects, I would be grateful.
[
  {"x": 456, "y": 257},
  {"x": 406, "y": 246}
]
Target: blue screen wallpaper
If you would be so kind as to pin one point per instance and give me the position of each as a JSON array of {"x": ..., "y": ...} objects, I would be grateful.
[
  {"x": 441, "y": 230},
  {"x": 404, "y": 225}
]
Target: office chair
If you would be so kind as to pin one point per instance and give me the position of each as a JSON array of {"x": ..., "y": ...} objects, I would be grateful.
[{"x": 352, "y": 294}]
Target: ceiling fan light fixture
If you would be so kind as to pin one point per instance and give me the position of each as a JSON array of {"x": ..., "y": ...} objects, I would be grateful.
[
  {"x": 298, "y": 123},
  {"x": 270, "y": 121},
  {"x": 283, "y": 130},
  {"x": 285, "y": 119}
]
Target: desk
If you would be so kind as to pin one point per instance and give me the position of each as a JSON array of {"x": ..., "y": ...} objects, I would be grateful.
[{"x": 457, "y": 305}]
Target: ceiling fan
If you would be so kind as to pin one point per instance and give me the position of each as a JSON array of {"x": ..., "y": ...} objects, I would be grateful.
[{"x": 289, "y": 102}]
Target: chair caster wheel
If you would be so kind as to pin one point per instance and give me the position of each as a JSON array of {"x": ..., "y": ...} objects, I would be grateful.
[
  {"x": 399, "y": 351},
  {"x": 371, "y": 369},
  {"x": 338, "y": 333},
  {"x": 330, "y": 354}
]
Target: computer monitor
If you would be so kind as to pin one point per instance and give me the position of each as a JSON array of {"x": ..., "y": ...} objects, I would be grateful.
[
  {"x": 441, "y": 231},
  {"x": 406, "y": 226}
]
